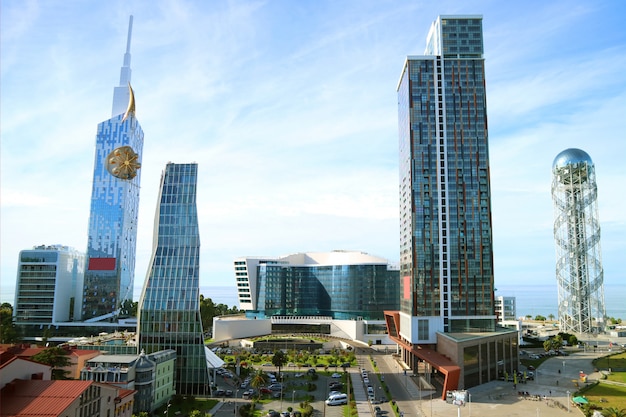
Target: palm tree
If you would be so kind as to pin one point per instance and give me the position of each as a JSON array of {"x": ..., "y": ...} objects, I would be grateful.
[
  {"x": 614, "y": 412},
  {"x": 279, "y": 360},
  {"x": 551, "y": 316},
  {"x": 258, "y": 380}
]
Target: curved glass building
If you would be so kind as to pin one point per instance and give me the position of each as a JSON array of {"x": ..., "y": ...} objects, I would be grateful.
[
  {"x": 169, "y": 307},
  {"x": 342, "y": 285},
  {"x": 579, "y": 270}
]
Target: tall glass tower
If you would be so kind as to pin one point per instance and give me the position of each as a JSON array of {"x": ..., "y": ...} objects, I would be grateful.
[
  {"x": 446, "y": 256},
  {"x": 169, "y": 307},
  {"x": 112, "y": 238},
  {"x": 579, "y": 271}
]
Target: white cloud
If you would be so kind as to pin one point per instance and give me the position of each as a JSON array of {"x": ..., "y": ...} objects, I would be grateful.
[{"x": 290, "y": 110}]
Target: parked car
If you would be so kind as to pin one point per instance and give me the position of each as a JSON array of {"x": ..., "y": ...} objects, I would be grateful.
[
  {"x": 335, "y": 385},
  {"x": 265, "y": 390},
  {"x": 219, "y": 393},
  {"x": 335, "y": 375}
]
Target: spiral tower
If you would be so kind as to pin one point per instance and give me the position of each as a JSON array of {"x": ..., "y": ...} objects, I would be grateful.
[{"x": 579, "y": 271}]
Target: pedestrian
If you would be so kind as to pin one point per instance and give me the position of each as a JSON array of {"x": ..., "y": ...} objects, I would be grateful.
[{"x": 557, "y": 382}]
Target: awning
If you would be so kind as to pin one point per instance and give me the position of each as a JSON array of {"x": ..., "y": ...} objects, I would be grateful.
[
  {"x": 580, "y": 400},
  {"x": 213, "y": 361}
]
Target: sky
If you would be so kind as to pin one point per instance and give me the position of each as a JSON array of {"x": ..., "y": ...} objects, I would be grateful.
[{"x": 289, "y": 107}]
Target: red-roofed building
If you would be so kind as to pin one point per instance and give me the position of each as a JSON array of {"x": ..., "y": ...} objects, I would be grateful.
[
  {"x": 12, "y": 367},
  {"x": 78, "y": 358},
  {"x": 36, "y": 398}
]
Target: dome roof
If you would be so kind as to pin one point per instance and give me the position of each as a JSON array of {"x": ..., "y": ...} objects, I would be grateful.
[
  {"x": 143, "y": 362},
  {"x": 571, "y": 156}
]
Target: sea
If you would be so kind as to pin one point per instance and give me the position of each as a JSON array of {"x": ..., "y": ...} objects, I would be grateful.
[
  {"x": 543, "y": 300},
  {"x": 529, "y": 299}
]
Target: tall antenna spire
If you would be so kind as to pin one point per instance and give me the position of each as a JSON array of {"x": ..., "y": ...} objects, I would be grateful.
[{"x": 121, "y": 93}]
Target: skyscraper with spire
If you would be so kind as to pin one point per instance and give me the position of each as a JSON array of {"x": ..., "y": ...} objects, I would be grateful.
[{"x": 112, "y": 238}]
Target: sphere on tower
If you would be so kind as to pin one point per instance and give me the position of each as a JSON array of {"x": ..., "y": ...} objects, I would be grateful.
[{"x": 579, "y": 271}]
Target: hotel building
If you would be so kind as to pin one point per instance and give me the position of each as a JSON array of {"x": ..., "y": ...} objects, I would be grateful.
[
  {"x": 446, "y": 250},
  {"x": 48, "y": 287},
  {"x": 340, "y": 284}
]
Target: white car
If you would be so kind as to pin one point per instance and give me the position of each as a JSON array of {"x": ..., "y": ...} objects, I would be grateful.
[{"x": 335, "y": 375}]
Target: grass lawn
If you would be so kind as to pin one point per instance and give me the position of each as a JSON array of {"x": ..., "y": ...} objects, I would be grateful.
[
  {"x": 607, "y": 395},
  {"x": 618, "y": 377},
  {"x": 186, "y": 406},
  {"x": 617, "y": 361}
]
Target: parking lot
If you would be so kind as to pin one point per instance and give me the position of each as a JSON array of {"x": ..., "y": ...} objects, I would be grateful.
[{"x": 293, "y": 387}]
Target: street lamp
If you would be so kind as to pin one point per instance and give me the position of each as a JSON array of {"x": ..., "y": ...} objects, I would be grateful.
[
  {"x": 469, "y": 395},
  {"x": 293, "y": 395},
  {"x": 236, "y": 394},
  {"x": 281, "y": 396},
  {"x": 167, "y": 410},
  {"x": 568, "y": 393}
]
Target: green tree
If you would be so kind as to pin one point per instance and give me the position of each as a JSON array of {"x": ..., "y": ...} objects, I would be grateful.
[
  {"x": 142, "y": 414},
  {"x": 8, "y": 331},
  {"x": 198, "y": 413},
  {"x": 551, "y": 316},
  {"x": 208, "y": 310},
  {"x": 539, "y": 317},
  {"x": 55, "y": 357},
  {"x": 279, "y": 359},
  {"x": 258, "y": 380},
  {"x": 554, "y": 343}
]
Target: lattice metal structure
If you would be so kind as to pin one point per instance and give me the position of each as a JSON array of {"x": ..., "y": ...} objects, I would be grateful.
[{"x": 579, "y": 271}]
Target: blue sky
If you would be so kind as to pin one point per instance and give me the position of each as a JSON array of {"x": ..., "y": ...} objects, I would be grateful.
[{"x": 290, "y": 110}]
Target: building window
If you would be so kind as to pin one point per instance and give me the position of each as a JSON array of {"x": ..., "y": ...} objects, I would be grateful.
[{"x": 422, "y": 329}]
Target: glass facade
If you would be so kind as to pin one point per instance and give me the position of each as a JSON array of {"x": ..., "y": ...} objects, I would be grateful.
[
  {"x": 112, "y": 241},
  {"x": 345, "y": 291},
  {"x": 446, "y": 256},
  {"x": 169, "y": 307},
  {"x": 112, "y": 223}
]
